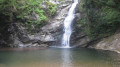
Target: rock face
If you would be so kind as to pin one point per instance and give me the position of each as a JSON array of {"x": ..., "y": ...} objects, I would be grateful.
[
  {"x": 51, "y": 33},
  {"x": 79, "y": 37},
  {"x": 111, "y": 43},
  {"x": 54, "y": 27},
  {"x": 47, "y": 35}
]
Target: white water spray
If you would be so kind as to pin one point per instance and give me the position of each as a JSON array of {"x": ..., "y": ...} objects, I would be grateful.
[{"x": 67, "y": 25}]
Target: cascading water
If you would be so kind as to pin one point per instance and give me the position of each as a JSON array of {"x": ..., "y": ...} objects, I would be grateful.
[{"x": 67, "y": 25}]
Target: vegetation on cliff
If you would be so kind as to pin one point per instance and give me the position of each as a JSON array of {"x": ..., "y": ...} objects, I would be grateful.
[
  {"x": 30, "y": 11},
  {"x": 100, "y": 17}
]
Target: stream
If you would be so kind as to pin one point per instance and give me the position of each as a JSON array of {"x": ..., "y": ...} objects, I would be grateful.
[{"x": 58, "y": 57}]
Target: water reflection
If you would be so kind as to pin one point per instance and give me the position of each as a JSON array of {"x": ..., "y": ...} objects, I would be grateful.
[{"x": 66, "y": 58}]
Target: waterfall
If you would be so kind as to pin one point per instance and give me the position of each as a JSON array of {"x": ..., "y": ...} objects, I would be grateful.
[{"x": 67, "y": 25}]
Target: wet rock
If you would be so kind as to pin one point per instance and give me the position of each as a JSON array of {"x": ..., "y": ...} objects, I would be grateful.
[
  {"x": 43, "y": 45},
  {"x": 56, "y": 22},
  {"x": 79, "y": 39},
  {"x": 3, "y": 43},
  {"x": 34, "y": 16},
  {"x": 17, "y": 36},
  {"x": 78, "y": 16},
  {"x": 54, "y": 1},
  {"x": 48, "y": 38}
]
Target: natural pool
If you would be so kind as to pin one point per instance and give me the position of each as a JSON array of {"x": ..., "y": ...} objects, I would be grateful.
[{"x": 58, "y": 57}]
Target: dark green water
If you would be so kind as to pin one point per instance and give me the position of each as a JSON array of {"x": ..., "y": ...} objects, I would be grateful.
[{"x": 57, "y": 57}]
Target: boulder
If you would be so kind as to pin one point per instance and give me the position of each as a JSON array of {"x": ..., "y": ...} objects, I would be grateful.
[{"x": 111, "y": 43}]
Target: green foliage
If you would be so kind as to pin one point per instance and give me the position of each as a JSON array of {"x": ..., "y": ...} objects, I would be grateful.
[
  {"x": 82, "y": 4},
  {"x": 31, "y": 7},
  {"x": 110, "y": 14},
  {"x": 41, "y": 14},
  {"x": 51, "y": 8},
  {"x": 111, "y": 2},
  {"x": 100, "y": 17},
  {"x": 25, "y": 9}
]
